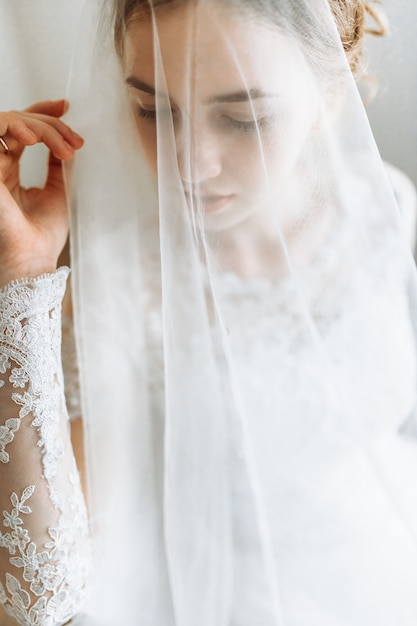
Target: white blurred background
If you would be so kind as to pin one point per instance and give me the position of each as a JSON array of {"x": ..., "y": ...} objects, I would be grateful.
[{"x": 393, "y": 62}]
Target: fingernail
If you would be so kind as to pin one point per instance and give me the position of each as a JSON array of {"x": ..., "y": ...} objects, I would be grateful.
[{"x": 68, "y": 145}]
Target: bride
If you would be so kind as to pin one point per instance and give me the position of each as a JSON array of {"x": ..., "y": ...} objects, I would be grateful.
[{"x": 243, "y": 301}]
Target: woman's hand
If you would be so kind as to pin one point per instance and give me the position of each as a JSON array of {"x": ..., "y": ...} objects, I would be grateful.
[{"x": 33, "y": 222}]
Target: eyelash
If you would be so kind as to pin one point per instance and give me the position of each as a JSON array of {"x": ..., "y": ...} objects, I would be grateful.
[
  {"x": 247, "y": 127},
  {"x": 145, "y": 114},
  {"x": 241, "y": 126}
]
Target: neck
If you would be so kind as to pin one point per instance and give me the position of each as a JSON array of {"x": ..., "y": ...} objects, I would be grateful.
[
  {"x": 252, "y": 249},
  {"x": 263, "y": 245}
]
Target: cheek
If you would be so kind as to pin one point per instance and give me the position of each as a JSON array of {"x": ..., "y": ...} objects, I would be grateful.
[
  {"x": 284, "y": 148},
  {"x": 148, "y": 143},
  {"x": 242, "y": 157}
]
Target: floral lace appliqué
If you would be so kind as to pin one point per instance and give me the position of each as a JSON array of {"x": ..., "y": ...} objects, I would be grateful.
[{"x": 46, "y": 585}]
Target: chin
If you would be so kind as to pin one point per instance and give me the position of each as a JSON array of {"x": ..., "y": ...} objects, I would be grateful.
[{"x": 227, "y": 220}]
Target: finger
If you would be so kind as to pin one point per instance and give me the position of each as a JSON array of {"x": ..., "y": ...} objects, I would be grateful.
[
  {"x": 16, "y": 134},
  {"x": 67, "y": 169},
  {"x": 35, "y": 121},
  {"x": 14, "y": 122},
  {"x": 22, "y": 129},
  {"x": 56, "y": 108},
  {"x": 55, "y": 176}
]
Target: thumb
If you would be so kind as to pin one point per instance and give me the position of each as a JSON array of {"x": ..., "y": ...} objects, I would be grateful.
[{"x": 55, "y": 176}]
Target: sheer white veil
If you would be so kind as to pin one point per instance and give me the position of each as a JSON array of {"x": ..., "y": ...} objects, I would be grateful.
[{"x": 244, "y": 303}]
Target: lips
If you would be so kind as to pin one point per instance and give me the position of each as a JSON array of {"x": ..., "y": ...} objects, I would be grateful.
[{"x": 209, "y": 203}]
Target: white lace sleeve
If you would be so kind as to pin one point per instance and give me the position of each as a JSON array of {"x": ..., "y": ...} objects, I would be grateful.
[
  {"x": 43, "y": 535},
  {"x": 70, "y": 367}
]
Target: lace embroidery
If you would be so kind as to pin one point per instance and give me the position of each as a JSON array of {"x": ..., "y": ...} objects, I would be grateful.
[
  {"x": 45, "y": 570},
  {"x": 70, "y": 366},
  {"x": 55, "y": 573},
  {"x": 7, "y": 432}
]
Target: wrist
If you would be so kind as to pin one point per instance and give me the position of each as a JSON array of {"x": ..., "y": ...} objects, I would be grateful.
[
  {"x": 25, "y": 270},
  {"x": 39, "y": 293}
]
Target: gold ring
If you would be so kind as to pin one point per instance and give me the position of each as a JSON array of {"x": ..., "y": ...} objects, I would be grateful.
[{"x": 4, "y": 145}]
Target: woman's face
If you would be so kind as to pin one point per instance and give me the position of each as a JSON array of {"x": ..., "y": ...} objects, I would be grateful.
[{"x": 242, "y": 101}]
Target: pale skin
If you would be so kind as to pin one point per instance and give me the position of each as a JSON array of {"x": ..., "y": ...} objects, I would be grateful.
[
  {"x": 246, "y": 125},
  {"x": 34, "y": 222}
]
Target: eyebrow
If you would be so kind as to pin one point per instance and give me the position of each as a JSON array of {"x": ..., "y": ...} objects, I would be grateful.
[
  {"x": 240, "y": 96},
  {"x": 236, "y": 96},
  {"x": 138, "y": 84}
]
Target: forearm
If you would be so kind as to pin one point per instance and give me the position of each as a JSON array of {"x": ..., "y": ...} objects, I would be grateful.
[{"x": 43, "y": 536}]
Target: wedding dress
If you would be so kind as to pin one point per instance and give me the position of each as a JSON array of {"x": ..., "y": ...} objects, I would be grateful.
[
  {"x": 47, "y": 565},
  {"x": 247, "y": 386},
  {"x": 362, "y": 505}
]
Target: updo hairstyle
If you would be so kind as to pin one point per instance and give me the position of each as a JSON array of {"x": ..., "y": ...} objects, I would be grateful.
[{"x": 351, "y": 21}]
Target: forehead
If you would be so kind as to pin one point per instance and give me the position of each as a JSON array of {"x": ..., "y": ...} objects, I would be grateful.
[{"x": 212, "y": 49}]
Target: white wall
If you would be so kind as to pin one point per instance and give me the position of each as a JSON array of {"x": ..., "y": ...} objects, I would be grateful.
[
  {"x": 393, "y": 61},
  {"x": 36, "y": 42},
  {"x": 36, "y": 39}
]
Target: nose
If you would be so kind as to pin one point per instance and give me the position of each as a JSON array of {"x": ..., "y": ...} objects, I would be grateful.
[{"x": 199, "y": 155}]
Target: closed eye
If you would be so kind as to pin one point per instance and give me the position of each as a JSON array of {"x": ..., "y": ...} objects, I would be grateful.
[
  {"x": 247, "y": 126},
  {"x": 146, "y": 114},
  {"x": 153, "y": 114}
]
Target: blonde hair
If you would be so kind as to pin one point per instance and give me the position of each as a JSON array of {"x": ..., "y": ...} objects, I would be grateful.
[
  {"x": 351, "y": 21},
  {"x": 350, "y": 17}
]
